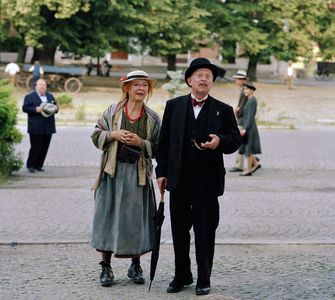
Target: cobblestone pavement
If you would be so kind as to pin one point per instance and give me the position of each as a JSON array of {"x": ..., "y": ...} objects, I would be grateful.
[
  {"x": 289, "y": 203},
  {"x": 71, "y": 271}
]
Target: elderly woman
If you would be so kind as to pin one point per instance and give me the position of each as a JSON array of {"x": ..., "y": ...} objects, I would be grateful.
[
  {"x": 249, "y": 131},
  {"x": 127, "y": 133}
]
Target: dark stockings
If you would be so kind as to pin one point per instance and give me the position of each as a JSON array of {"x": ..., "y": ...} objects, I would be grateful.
[
  {"x": 135, "y": 260},
  {"x": 106, "y": 257}
]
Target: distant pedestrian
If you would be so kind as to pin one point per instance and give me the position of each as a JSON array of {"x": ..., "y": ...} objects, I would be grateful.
[
  {"x": 106, "y": 68},
  {"x": 89, "y": 67},
  {"x": 40, "y": 107},
  {"x": 37, "y": 73},
  {"x": 240, "y": 80},
  {"x": 249, "y": 132},
  {"x": 99, "y": 71},
  {"x": 127, "y": 134},
  {"x": 290, "y": 75},
  {"x": 12, "y": 69}
]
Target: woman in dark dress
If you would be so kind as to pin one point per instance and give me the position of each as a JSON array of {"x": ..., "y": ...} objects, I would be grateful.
[{"x": 249, "y": 131}]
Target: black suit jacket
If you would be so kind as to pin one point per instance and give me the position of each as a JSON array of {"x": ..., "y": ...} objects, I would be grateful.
[
  {"x": 221, "y": 121},
  {"x": 37, "y": 124}
]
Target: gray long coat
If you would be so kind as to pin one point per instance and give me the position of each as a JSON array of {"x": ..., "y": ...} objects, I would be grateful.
[{"x": 253, "y": 145}]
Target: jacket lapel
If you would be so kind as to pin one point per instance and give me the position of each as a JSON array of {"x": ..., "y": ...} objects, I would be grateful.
[
  {"x": 214, "y": 115},
  {"x": 37, "y": 99},
  {"x": 181, "y": 114}
]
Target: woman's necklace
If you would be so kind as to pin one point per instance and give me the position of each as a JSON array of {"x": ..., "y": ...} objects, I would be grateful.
[{"x": 130, "y": 118}]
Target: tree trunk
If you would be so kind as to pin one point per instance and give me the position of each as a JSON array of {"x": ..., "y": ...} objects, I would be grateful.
[
  {"x": 171, "y": 60},
  {"x": 252, "y": 67},
  {"x": 231, "y": 60},
  {"x": 44, "y": 56},
  {"x": 22, "y": 51}
]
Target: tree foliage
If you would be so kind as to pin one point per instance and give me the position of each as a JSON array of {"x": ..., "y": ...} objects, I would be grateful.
[
  {"x": 175, "y": 28},
  {"x": 9, "y": 134},
  {"x": 83, "y": 27},
  {"x": 284, "y": 29},
  {"x": 262, "y": 28}
]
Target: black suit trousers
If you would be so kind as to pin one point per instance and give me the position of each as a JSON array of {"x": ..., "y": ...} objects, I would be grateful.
[
  {"x": 39, "y": 145},
  {"x": 192, "y": 205}
]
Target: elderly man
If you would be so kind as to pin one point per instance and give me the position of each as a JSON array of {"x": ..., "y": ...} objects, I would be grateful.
[
  {"x": 41, "y": 124},
  {"x": 196, "y": 130}
]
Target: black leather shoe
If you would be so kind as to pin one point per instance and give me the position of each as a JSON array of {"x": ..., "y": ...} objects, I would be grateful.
[
  {"x": 135, "y": 273},
  {"x": 106, "y": 276},
  {"x": 176, "y": 285},
  {"x": 40, "y": 170},
  {"x": 202, "y": 290},
  {"x": 31, "y": 170},
  {"x": 235, "y": 170}
]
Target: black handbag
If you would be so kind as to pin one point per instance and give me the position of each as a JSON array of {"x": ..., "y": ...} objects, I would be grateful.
[{"x": 128, "y": 154}]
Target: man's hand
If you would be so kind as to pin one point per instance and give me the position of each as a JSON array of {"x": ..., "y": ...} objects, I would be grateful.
[
  {"x": 162, "y": 182},
  {"x": 38, "y": 109},
  {"x": 213, "y": 144}
]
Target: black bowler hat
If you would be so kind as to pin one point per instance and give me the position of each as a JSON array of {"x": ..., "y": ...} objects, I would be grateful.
[{"x": 199, "y": 63}]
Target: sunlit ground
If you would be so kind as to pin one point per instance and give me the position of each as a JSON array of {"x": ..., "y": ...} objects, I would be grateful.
[{"x": 277, "y": 106}]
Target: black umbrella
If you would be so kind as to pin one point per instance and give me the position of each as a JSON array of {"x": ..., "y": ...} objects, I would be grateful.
[{"x": 159, "y": 218}]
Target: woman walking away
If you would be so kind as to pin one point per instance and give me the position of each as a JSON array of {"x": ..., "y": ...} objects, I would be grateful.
[
  {"x": 249, "y": 131},
  {"x": 127, "y": 133}
]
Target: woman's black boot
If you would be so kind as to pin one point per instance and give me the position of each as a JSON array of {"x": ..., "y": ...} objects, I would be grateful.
[
  {"x": 106, "y": 276},
  {"x": 135, "y": 273}
]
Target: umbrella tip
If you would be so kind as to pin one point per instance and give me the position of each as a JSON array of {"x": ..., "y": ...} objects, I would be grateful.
[{"x": 149, "y": 286}]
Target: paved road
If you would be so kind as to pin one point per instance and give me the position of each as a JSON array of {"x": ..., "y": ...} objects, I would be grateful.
[{"x": 289, "y": 201}]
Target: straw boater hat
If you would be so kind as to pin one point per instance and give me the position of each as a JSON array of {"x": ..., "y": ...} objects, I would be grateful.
[
  {"x": 137, "y": 75},
  {"x": 48, "y": 109},
  {"x": 250, "y": 85},
  {"x": 199, "y": 63},
  {"x": 240, "y": 74}
]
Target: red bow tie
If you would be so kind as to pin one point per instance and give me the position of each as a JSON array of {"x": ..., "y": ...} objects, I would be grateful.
[{"x": 200, "y": 103}]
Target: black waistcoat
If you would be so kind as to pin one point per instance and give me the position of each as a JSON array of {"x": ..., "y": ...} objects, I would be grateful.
[{"x": 195, "y": 129}]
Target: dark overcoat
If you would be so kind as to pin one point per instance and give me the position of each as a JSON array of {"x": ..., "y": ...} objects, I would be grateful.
[
  {"x": 253, "y": 145},
  {"x": 221, "y": 121}
]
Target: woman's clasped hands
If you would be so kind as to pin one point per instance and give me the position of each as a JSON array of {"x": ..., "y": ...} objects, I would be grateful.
[{"x": 126, "y": 137}]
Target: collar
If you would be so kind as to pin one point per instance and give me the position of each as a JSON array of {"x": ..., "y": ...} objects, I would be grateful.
[{"x": 199, "y": 100}]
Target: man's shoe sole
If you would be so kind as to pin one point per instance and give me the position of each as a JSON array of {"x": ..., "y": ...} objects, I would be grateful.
[{"x": 202, "y": 292}]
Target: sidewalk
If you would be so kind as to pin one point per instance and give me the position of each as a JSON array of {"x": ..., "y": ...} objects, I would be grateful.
[{"x": 276, "y": 238}]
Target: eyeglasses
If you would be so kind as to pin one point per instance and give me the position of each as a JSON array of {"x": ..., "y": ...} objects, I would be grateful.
[{"x": 197, "y": 145}]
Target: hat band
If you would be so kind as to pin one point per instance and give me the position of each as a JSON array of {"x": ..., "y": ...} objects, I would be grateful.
[{"x": 138, "y": 76}]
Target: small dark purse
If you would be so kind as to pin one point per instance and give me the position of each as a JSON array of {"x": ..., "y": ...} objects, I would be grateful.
[{"x": 128, "y": 154}]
